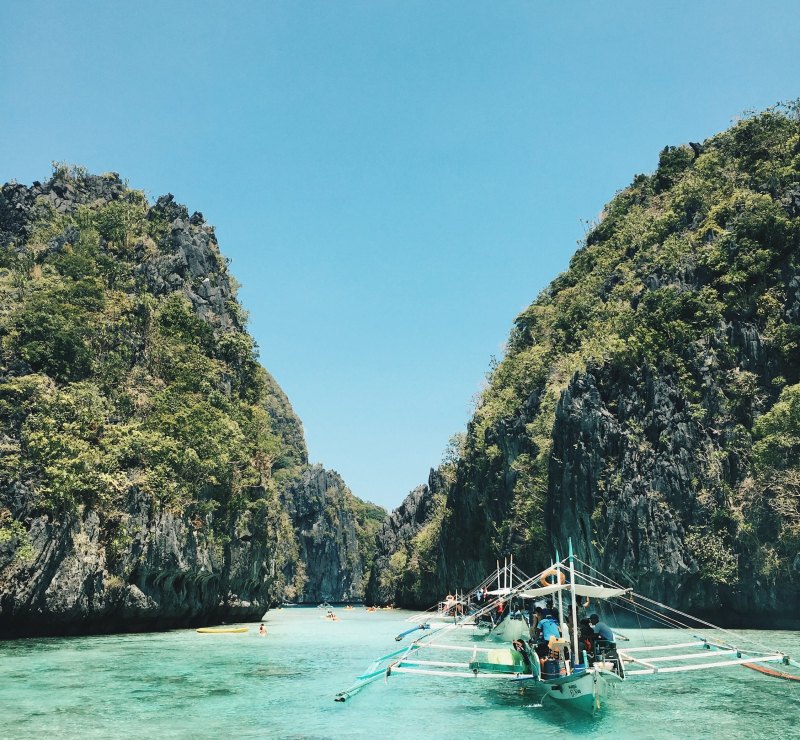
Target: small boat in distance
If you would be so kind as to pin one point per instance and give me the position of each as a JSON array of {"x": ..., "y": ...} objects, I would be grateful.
[{"x": 221, "y": 630}]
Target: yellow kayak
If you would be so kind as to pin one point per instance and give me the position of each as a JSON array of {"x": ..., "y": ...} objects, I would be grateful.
[{"x": 221, "y": 630}]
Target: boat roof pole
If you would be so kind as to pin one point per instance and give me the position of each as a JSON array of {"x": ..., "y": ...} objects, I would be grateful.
[
  {"x": 558, "y": 579},
  {"x": 574, "y": 625},
  {"x": 498, "y": 574}
]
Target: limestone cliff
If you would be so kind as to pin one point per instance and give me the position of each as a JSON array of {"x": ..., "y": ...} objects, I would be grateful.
[
  {"x": 146, "y": 455},
  {"x": 648, "y": 405},
  {"x": 320, "y": 507}
]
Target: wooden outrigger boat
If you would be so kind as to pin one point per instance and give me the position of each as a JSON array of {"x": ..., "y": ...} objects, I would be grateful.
[
  {"x": 569, "y": 675},
  {"x": 497, "y": 588}
]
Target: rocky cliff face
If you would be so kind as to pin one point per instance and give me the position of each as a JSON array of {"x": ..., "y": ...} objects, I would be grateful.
[
  {"x": 648, "y": 406},
  {"x": 652, "y": 494},
  {"x": 332, "y": 563},
  {"x": 399, "y": 528},
  {"x": 146, "y": 456},
  {"x": 170, "y": 574}
]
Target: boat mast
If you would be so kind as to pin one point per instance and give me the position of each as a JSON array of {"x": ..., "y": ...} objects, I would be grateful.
[
  {"x": 574, "y": 625},
  {"x": 558, "y": 580},
  {"x": 561, "y": 621}
]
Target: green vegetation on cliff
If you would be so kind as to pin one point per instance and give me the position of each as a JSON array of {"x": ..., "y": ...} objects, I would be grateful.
[
  {"x": 659, "y": 373},
  {"x": 368, "y": 519},
  {"x": 115, "y": 379},
  {"x": 708, "y": 239}
]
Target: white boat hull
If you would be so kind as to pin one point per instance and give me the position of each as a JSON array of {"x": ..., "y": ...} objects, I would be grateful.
[{"x": 585, "y": 692}]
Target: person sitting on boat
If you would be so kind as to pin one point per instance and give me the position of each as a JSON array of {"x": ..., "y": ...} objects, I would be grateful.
[
  {"x": 601, "y": 629},
  {"x": 586, "y": 638},
  {"x": 536, "y": 618},
  {"x": 604, "y": 645}
]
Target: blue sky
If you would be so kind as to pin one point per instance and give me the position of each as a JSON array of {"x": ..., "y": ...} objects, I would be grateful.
[{"x": 393, "y": 180}]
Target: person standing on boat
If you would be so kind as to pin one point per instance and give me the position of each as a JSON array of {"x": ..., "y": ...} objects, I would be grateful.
[
  {"x": 601, "y": 629},
  {"x": 549, "y": 628},
  {"x": 536, "y": 619}
]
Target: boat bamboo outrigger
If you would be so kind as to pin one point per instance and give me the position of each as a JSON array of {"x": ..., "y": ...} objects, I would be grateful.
[{"x": 570, "y": 668}]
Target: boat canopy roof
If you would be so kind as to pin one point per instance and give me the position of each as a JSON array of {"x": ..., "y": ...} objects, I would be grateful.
[{"x": 581, "y": 589}]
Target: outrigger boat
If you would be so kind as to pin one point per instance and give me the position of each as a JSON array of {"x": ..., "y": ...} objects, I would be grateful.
[
  {"x": 496, "y": 589},
  {"x": 568, "y": 674},
  {"x": 513, "y": 623}
]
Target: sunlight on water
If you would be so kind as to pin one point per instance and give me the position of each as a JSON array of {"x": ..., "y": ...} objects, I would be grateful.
[{"x": 183, "y": 684}]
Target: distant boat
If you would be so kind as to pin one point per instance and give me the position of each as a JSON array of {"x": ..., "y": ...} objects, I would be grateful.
[
  {"x": 221, "y": 630},
  {"x": 576, "y": 669}
]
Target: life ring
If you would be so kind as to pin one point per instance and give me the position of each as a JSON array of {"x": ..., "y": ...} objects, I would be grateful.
[{"x": 562, "y": 579}]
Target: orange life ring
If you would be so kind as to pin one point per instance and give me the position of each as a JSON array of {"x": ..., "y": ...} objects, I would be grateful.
[{"x": 562, "y": 579}]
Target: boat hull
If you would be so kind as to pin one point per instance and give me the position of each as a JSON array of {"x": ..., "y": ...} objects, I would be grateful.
[{"x": 585, "y": 692}]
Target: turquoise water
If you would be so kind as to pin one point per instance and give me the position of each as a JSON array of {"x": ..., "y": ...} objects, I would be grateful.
[{"x": 181, "y": 684}]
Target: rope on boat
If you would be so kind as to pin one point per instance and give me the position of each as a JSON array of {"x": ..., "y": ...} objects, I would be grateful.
[
  {"x": 771, "y": 672},
  {"x": 707, "y": 624},
  {"x": 656, "y": 616},
  {"x": 653, "y": 615},
  {"x": 671, "y": 621}
]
